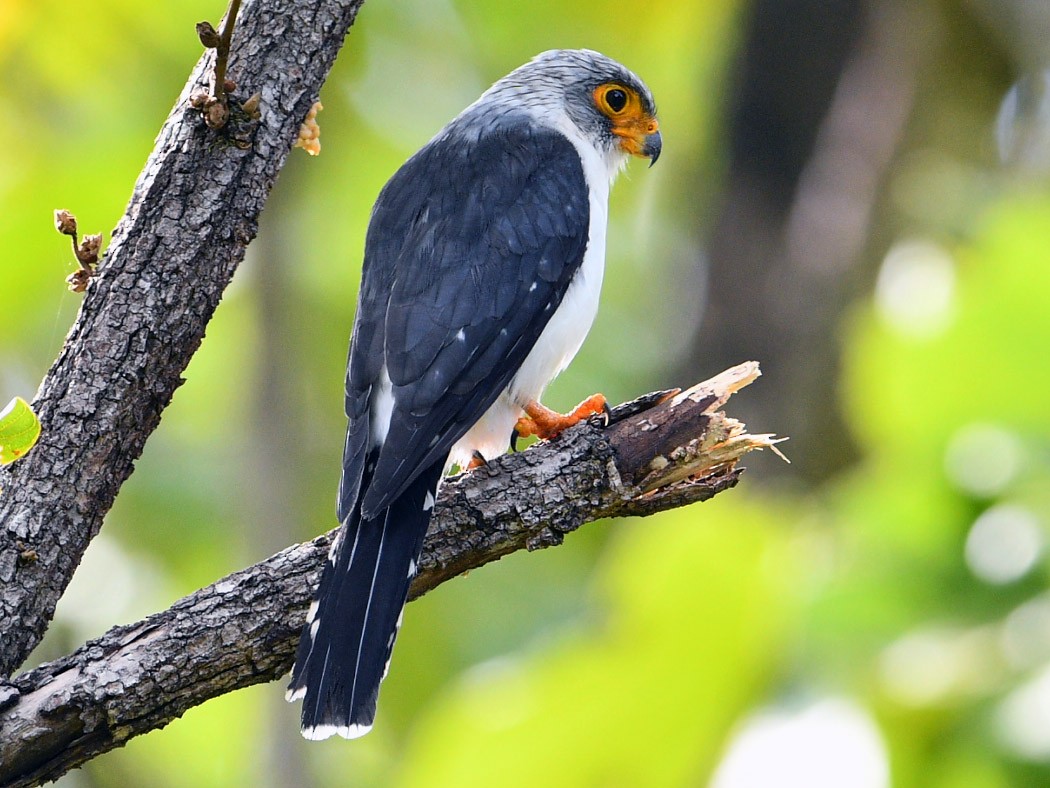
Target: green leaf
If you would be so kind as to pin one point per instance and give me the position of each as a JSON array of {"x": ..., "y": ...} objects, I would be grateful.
[{"x": 19, "y": 430}]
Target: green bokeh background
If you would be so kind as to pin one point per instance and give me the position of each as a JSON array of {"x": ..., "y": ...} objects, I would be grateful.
[{"x": 636, "y": 653}]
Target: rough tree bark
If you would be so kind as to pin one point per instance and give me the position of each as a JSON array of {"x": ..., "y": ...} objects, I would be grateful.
[
  {"x": 192, "y": 213},
  {"x": 658, "y": 453}
]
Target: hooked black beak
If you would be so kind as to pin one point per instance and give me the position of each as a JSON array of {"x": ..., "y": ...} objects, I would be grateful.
[{"x": 654, "y": 143}]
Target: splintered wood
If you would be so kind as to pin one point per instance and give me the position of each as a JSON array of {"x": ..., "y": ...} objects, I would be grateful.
[{"x": 687, "y": 436}]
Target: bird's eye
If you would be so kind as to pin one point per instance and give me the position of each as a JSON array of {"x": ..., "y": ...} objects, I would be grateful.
[
  {"x": 616, "y": 99},
  {"x": 613, "y": 99}
]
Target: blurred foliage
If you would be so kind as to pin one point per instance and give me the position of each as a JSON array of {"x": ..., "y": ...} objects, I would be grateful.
[{"x": 909, "y": 588}]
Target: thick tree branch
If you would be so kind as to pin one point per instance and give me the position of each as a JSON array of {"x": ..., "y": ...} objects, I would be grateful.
[
  {"x": 658, "y": 453},
  {"x": 191, "y": 215}
]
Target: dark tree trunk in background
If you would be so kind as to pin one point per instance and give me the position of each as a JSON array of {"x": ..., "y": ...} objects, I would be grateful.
[{"x": 822, "y": 92}]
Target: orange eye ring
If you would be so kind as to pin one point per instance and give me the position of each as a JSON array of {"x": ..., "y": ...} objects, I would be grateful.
[{"x": 614, "y": 99}]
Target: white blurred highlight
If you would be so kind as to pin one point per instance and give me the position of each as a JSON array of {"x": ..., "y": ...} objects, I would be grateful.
[
  {"x": 935, "y": 665},
  {"x": 915, "y": 288},
  {"x": 1025, "y": 635},
  {"x": 1003, "y": 544},
  {"x": 983, "y": 459},
  {"x": 827, "y": 744},
  {"x": 1022, "y": 126},
  {"x": 1023, "y": 718}
]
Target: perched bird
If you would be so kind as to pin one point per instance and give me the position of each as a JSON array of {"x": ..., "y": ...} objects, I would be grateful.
[{"x": 483, "y": 261}]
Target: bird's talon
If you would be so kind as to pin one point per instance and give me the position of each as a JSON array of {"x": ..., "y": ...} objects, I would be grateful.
[
  {"x": 526, "y": 428},
  {"x": 546, "y": 424},
  {"x": 594, "y": 405},
  {"x": 477, "y": 460}
]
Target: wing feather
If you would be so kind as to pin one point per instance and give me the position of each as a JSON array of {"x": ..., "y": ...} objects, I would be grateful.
[{"x": 470, "y": 250}]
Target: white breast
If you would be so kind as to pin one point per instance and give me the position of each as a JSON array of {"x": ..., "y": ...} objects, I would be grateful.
[
  {"x": 570, "y": 323},
  {"x": 568, "y": 326}
]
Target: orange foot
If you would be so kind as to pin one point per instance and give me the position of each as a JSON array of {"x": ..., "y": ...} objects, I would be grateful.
[
  {"x": 546, "y": 423},
  {"x": 477, "y": 460}
]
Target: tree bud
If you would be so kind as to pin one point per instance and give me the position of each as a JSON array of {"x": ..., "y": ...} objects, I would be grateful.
[
  {"x": 65, "y": 223},
  {"x": 206, "y": 33}
]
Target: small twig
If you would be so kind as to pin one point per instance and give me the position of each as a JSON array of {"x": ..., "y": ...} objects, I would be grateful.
[
  {"x": 86, "y": 251},
  {"x": 215, "y": 107},
  {"x": 222, "y": 51}
]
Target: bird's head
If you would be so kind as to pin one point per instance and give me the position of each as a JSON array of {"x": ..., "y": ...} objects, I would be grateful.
[
  {"x": 631, "y": 118},
  {"x": 610, "y": 105}
]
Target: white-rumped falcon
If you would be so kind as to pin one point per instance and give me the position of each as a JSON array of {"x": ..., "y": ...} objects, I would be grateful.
[{"x": 483, "y": 261}]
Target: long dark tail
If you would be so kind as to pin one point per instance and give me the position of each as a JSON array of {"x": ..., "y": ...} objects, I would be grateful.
[{"x": 344, "y": 651}]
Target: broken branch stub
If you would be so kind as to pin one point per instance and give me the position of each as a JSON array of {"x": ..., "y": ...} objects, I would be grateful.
[{"x": 685, "y": 436}]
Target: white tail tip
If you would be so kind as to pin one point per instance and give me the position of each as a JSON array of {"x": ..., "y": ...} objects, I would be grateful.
[{"x": 320, "y": 732}]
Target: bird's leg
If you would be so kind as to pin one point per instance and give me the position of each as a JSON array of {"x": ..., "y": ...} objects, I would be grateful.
[
  {"x": 545, "y": 423},
  {"x": 477, "y": 460}
]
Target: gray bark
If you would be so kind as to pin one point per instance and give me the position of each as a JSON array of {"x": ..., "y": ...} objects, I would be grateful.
[{"x": 191, "y": 215}]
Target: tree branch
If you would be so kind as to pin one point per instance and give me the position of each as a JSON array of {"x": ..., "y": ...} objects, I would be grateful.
[
  {"x": 192, "y": 213},
  {"x": 659, "y": 452}
]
